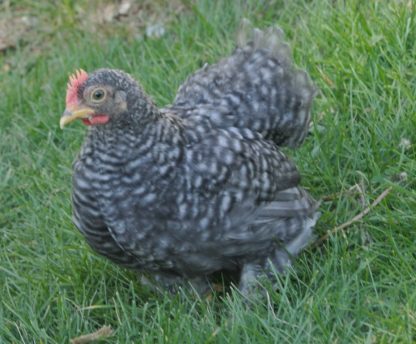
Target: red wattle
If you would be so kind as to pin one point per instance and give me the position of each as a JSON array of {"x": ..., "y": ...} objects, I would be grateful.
[{"x": 96, "y": 119}]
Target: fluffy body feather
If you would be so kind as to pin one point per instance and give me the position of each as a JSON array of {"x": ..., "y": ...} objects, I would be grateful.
[{"x": 199, "y": 187}]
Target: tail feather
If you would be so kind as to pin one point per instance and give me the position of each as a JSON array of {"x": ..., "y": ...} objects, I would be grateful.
[
  {"x": 271, "y": 39},
  {"x": 257, "y": 87}
]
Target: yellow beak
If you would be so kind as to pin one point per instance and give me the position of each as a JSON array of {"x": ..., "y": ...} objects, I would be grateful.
[{"x": 73, "y": 113}]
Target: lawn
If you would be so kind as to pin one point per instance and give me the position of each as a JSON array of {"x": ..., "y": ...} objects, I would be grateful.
[{"x": 357, "y": 286}]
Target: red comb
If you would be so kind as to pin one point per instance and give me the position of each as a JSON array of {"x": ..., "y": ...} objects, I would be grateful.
[{"x": 75, "y": 81}]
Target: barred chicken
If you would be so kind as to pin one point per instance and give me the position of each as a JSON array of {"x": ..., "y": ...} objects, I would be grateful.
[{"x": 199, "y": 187}]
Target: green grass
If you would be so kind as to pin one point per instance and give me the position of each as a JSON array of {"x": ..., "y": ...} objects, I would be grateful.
[{"x": 359, "y": 287}]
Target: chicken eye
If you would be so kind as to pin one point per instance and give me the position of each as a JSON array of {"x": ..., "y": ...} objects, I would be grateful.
[{"x": 98, "y": 95}]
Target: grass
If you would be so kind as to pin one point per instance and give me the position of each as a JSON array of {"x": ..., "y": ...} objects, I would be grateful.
[{"x": 358, "y": 287}]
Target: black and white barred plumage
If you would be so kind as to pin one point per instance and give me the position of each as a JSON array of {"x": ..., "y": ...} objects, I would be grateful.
[
  {"x": 201, "y": 186},
  {"x": 257, "y": 87}
]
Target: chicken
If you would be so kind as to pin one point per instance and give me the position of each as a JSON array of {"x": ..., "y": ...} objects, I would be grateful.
[{"x": 201, "y": 186}]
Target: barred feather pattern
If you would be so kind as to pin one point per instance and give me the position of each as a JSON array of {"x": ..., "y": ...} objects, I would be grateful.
[
  {"x": 181, "y": 197},
  {"x": 200, "y": 186},
  {"x": 257, "y": 87}
]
